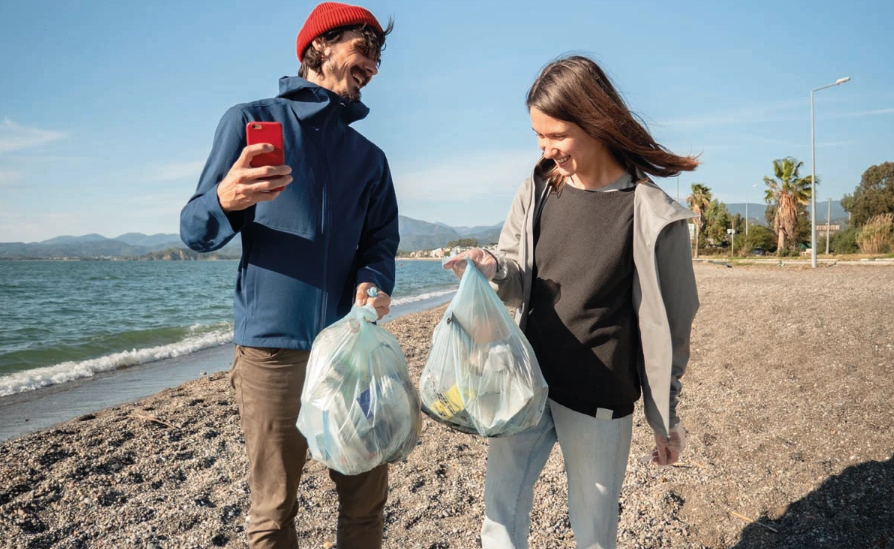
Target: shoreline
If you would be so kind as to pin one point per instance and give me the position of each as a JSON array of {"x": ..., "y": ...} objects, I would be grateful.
[{"x": 45, "y": 407}]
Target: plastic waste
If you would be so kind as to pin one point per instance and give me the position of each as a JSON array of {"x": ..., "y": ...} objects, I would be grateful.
[
  {"x": 359, "y": 408},
  {"x": 481, "y": 375}
]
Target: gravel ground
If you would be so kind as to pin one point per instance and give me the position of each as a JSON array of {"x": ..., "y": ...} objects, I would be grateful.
[{"x": 787, "y": 402}]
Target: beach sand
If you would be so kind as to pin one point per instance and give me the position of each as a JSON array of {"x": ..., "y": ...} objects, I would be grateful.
[{"x": 787, "y": 402}]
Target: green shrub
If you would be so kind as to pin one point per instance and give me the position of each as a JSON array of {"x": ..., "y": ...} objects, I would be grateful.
[
  {"x": 761, "y": 237},
  {"x": 845, "y": 242}
]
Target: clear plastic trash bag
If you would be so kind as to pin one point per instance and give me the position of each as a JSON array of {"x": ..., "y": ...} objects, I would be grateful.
[
  {"x": 359, "y": 408},
  {"x": 481, "y": 375}
]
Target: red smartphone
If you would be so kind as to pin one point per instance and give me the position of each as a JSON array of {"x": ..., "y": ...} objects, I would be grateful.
[{"x": 266, "y": 132}]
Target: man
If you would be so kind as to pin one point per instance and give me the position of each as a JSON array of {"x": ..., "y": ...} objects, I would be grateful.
[{"x": 317, "y": 233}]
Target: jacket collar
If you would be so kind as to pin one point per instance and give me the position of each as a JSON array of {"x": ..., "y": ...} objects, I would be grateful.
[
  {"x": 311, "y": 101},
  {"x": 660, "y": 203}
]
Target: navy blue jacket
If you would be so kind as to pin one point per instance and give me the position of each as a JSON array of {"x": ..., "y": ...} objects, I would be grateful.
[{"x": 332, "y": 228}]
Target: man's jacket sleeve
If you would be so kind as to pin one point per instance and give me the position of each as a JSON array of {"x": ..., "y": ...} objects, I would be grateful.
[
  {"x": 204, "y": 226},
  {"x": 380, "y": 236}
]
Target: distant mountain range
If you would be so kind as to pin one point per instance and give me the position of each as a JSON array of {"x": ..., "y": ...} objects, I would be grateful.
[
  {"x": 415, "y": 235},
  {"x": 421, "y": 235},
  {"x": 130, "y": 245},
  {"x": 756, "y": 211}
]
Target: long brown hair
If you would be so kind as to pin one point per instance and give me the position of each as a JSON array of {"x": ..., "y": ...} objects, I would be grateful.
[{"x": 575, "y": 89}]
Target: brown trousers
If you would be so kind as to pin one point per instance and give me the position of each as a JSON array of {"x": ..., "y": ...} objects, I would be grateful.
[{"x": 268, "y": 386}]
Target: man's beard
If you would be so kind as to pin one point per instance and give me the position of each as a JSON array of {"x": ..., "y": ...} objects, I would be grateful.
[{"x": 351, "y": 96}]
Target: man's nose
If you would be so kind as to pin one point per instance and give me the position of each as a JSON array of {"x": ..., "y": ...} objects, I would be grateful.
[{"x": 371, "y": 68}]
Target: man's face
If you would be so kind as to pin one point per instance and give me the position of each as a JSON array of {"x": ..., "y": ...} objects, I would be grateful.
[{"x": 348, "y": 65}]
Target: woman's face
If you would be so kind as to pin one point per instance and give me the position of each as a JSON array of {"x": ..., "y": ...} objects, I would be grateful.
[{"x": 565, "y": 143}]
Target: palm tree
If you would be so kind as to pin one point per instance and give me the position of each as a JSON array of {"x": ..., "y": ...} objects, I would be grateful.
[
  {"x": 785, "y": 192},
  {"x": 698, "y": 202}
]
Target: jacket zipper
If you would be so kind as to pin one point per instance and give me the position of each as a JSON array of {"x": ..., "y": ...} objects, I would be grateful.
[{"x": 324, "y": 300}]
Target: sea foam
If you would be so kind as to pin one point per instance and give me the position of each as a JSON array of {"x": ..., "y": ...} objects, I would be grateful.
[
  {"x": 29, "y": 380},
  {"x": 422, "y": 297}
]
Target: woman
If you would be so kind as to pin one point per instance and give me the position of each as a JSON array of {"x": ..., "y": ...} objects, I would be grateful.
[{"x": 596, "y": 259}]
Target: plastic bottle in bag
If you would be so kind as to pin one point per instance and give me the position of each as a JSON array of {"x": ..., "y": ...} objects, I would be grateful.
[
  {"x": 481, "y": 375},
  {"x": 359, "y": 408}
]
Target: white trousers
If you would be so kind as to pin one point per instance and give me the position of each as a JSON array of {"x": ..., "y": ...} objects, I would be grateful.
[{"x": 595, "y": 453}]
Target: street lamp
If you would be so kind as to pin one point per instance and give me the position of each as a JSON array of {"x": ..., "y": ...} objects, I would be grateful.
[{"x": 813, "y": 171}]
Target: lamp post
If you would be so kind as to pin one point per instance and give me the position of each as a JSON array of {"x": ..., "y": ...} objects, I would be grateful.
[
  {"x": 746, "y": 213},
  {"x": 813, "y": 170},
  {"x": 828, "y": 224}
]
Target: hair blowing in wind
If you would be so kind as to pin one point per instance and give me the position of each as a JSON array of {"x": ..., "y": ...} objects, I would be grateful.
[{"x": 575, "y": 89}]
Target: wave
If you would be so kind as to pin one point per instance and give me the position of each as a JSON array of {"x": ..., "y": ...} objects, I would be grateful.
[
  {"x": 36, "y": 378},
  {"x": 188, "y": 339},
  {"x": 422, "y": 297}
]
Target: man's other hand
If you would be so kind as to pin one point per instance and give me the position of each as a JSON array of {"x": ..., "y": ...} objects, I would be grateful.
[{"x": 381, "y": 301}]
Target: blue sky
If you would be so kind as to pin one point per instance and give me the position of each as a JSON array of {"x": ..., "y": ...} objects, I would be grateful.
[{"x": 107, "y": 109}]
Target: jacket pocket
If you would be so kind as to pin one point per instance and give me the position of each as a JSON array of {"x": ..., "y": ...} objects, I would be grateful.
[{"x": 297, "y": 210}]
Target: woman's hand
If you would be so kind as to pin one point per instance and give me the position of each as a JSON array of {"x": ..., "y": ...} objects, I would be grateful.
[
  {"x": 484, "y": 261},
  {"x": 667, "y": 450}
]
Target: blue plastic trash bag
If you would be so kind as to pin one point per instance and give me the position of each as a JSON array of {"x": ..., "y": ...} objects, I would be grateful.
[
  {"x": 359, "y": 408},
  {"x": 481, "y": 375}
]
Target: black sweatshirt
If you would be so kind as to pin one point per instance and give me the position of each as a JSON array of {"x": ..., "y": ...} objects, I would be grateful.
[{"x": 581, "y": 321}]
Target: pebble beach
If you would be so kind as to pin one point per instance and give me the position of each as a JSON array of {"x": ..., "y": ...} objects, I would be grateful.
[{"x": 787, "y": 404}]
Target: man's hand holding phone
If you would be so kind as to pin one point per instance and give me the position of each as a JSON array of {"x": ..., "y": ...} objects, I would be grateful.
[
  {"x": 259, "y": 174},
  {"x": 245, "y": 186}
]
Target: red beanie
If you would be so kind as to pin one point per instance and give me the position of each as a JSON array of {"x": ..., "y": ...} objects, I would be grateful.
[{"x": 330, "y": 15}]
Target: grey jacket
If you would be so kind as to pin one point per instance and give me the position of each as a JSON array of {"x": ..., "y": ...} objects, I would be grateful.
[{"x": 664, "y": 292}]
